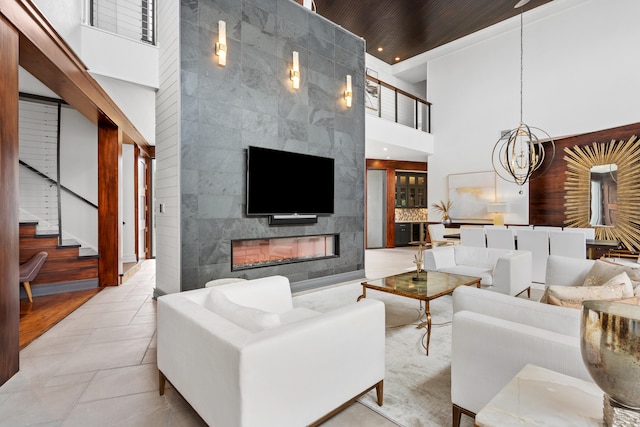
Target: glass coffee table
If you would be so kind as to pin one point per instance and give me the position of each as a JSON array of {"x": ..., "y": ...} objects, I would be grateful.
[{"x": 431, "y": 285}]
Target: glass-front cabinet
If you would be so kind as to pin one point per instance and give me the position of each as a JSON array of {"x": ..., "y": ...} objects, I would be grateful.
[{"x": 411, "y": 190}]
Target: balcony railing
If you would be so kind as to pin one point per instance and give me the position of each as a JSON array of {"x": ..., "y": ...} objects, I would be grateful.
[
  {"x": 130, "y": 18},
  {"x": 390, "y": 103}
]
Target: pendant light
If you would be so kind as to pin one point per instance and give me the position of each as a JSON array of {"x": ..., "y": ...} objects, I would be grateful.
[{"x": 520, "y": 152}]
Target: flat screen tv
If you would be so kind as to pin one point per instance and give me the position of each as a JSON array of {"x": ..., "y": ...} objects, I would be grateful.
[{"x": 286, "y": 183}]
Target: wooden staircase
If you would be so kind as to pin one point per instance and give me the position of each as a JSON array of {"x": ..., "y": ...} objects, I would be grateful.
[{"x": 68, "y": 266}]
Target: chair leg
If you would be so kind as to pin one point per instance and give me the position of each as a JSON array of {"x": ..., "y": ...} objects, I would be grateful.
[
  {"x": 457, "y": 415},
  {"x": 27, "y": 288},
  {"x": 161, "y": 382},
  {"x": 379, "y": 395}
]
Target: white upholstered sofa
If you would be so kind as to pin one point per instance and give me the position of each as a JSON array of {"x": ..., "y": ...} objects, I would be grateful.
[
  {"x": 494, "y": 336},
  {"x": 502, "y": 270},
  {"x": 242, "y": 355}
]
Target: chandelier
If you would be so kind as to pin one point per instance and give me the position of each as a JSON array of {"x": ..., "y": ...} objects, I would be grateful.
[{"x": 520, "y": 152}]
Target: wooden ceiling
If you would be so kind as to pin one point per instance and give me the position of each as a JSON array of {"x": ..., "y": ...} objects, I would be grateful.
[{"x": 406, "y": 28}]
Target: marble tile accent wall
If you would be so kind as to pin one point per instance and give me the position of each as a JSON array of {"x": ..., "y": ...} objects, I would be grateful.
[{"x": 251, "y": 101}]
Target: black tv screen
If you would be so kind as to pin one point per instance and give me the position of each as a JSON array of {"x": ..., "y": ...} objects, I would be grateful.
[{"x": 286, "y": 183}]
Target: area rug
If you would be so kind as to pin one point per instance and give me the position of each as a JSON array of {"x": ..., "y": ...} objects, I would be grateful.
[{"x": 417, "y": 388}]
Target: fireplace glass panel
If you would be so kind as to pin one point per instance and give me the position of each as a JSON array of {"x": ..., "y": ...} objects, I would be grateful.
[{"x": 254, "y": 253}]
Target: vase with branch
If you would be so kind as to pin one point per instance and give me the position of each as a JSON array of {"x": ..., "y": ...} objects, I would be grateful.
[{"x": 443, "y": 208}]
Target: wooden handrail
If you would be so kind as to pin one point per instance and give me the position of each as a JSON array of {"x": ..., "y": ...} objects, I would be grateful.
[{"x": 400, "y": 91}]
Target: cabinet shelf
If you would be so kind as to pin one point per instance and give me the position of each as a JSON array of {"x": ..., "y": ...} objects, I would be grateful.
[{"x": 411, "y": 190}]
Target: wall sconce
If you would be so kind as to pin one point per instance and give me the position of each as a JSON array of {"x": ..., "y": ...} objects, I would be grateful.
[
  {"x": 295, "y": 72},
  {"x": 221, "y": 46},
  {"x": 498, "y": 208},
  {"x": 348, "y": 94}
]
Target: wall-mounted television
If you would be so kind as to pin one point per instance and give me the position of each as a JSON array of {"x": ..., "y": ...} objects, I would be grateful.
[{"x": 286, "y": 183}]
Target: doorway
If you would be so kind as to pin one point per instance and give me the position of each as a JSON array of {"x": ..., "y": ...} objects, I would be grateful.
[{"x": 376, "y": 208}]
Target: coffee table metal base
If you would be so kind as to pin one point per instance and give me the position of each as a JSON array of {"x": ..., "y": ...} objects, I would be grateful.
[{"x": 436, "y": 285}]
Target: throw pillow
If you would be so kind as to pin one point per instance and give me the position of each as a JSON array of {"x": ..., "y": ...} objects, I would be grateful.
[
  {"x": 602, "y": 272},
  {"x": 633, "y": 271},
  {"x": 249, "y": 318},
  {"x": 572, "y": 296}
]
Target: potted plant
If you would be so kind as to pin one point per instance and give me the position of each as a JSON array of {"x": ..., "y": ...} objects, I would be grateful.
[{"x": 443, "y": 208}]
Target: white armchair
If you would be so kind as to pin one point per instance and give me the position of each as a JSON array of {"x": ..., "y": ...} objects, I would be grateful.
[
  {"x": 242, "y": 355},
  {"x": 494, "y": 336}
]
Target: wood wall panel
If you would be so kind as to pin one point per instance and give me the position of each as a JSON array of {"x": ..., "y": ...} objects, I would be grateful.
[
  {"x": 391, "y": 166},
  {"x": 9, "y": 234},
  {"x": 109, "y": 215},
  {"x": 546, "y": 192}
]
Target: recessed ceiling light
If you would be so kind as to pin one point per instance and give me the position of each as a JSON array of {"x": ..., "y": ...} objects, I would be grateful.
[
  {"x": 397, "y": 58},
  {"x": 380, "y": 49},
  {"x": 388, "y": 157},
  {"x": 385, "y": 148}
]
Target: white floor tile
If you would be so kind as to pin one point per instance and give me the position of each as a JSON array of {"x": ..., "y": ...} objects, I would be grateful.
[{"x": 97, "y": 367}]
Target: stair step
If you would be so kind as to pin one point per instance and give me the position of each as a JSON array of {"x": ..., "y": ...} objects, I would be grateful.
[
  {"x": 88, "y": 253},
  {"x": 70, "y": 243}
]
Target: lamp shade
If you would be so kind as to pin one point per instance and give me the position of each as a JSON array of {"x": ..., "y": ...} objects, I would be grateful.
[{"x": 498, "y": 207}]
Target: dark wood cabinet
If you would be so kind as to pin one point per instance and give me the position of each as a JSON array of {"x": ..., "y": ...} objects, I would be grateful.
[
  {"x": 403, "y": 233},
  {"x": 411, "y": 190}
]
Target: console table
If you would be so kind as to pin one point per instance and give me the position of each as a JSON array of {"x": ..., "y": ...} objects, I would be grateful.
[{"x": 541, "y": 397}]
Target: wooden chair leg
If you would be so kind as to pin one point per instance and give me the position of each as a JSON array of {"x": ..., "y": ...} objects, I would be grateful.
[
  {"x": 379, "y": 395},
  {"x": 457, "y": 415},
  {"x": 27, "y": 288},
  {"x": 161, "y": 382}
]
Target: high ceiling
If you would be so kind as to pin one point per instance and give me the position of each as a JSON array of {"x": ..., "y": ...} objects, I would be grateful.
[{"x": 406, "y": 28}]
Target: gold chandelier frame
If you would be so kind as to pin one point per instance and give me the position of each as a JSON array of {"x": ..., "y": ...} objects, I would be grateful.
[{"x": 580, "y": 160}]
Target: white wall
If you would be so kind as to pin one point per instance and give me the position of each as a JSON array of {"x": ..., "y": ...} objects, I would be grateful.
[
  {"x": 580, "y": 75},
  {"x": 167, "y": 176},
  {"x": 65, "y": 16},
  {"x": 127, "y": 69},
  {"x": 79, "y": 173},
  {"x": 137, "y": 102},
  {"x": 385, "y": 74}
]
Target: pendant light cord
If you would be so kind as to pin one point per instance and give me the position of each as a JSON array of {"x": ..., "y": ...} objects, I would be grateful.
[{"x": 521, "y": 60}]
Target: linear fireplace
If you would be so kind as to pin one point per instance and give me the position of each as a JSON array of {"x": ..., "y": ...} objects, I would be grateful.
[{"x": 254, "y": 253}]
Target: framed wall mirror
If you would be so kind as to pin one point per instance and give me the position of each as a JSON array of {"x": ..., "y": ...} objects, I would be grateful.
[{"x": 602, "y": 190}]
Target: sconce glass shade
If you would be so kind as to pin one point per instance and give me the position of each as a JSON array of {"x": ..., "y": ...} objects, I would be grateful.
[
  {"x": 295, "y": 72},
  {"x": 348, "y": 94},
  {"x": 221, "y": 45}
]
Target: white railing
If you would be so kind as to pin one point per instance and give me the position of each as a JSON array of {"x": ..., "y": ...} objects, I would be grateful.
[
  {"x": 134, "y": 19},
  {"x": 390, "y": 103},
  {"x": 38, "y": 154}
]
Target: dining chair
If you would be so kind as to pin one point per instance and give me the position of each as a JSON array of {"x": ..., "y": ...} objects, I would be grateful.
[
  {"x": 589, "y": 233},
  {"x": 568, "y": 244},
  {"x": 473, "y": 236},
  {"x": 536, "y": 242},
  {"x": 516, "y": 228},
  {"x": 546, "y": 228},
  {"x": 501, "y": 238},
  {"x": 30, "y": 269},
  {"x": 436, "y": 235}
]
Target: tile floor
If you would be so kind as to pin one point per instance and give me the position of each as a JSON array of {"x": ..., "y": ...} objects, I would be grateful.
[{"x": 97, "y": 366}]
